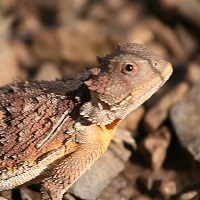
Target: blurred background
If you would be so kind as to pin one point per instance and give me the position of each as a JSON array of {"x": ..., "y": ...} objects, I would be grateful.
[{"x": 51, "y": 39}]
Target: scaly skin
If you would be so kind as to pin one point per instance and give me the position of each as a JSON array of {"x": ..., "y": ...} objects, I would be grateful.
[{"x": 52, "y": 132}]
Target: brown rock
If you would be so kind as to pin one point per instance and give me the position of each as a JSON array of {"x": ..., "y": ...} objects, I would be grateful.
[
  {"x": 157, "y": 114},
  {"x": 48, "y": 72},
  {"x": 167, "y": 4},
  {"x": 29, "y": 24},
  {"x": 23, "y": 55},
  {"x": 5, "y": 30},
  {"x": 166, "y": 189},
  {"x": 127, "y": 192},
  {"x": 163, "y": 189},
  {"x": 8, "y": 66},
  {"x": 8, "y": 63},
  {"x": 191, "y": 195},
  {"x": 113, "y": 190},
  {"x": 186, "y": 121},
  {"x": 144, "y": 184},
  {"x": 129, "y": 15},
  {"x": 27, "y": 194},
  {"x": 166, "y": 35},
  {"x": 154, "y": 147},
  {"x": 57, "y": 45},
  {"x": 187, "y": 40},
  {"x": 6, "y": 5},
  {"x": 141, "y": 197},
  {"x": 68, "y": 196},
  {"x": 99, "y": 11},
  {"x": 159, "y": 48},
  {"x": 114, "y": 4},
  {"x": 6, "y": 194},
  {"x": 193, "y": 74},
  {"x": 130, "y": 123},
  {"x": 140, "y": 34},
  {"x": 189, "y": 9}
]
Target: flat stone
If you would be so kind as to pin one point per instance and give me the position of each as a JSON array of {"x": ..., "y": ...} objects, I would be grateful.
[
  {"x": 166, "y": 189},
  {"x": 9, "y": 68},
  {"x": 185, "y": 117},
  {"x": 6, "y": 194},
  {"x": 154, "y": 147},
  {"x": 140, "y": 34},
  {"x": 27, "y": 194},
  {"x": 48, "y": 72},
  {"x": 193, "y": 74},
  {"x": 55, "y": 45},
  {"x": 189, "y": 195},
  {"x": 141, "y": 197}
]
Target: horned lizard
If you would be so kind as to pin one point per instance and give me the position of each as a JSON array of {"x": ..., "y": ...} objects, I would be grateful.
[{"x": 52, "y": 132}]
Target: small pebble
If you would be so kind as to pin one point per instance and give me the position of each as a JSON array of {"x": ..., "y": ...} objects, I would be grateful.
[{"x": 188, "y": 195}]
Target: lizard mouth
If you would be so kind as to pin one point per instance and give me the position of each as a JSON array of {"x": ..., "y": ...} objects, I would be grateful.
[{"x": 167, "y": 72}]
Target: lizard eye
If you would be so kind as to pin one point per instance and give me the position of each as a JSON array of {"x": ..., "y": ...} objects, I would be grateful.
[{"x": 130, "y": 69}]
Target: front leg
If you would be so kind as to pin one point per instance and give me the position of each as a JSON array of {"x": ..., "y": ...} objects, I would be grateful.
[{"x": 93, "y": 144}]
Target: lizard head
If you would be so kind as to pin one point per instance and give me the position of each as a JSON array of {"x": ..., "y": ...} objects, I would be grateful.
[{"x": 127, "y": 77}]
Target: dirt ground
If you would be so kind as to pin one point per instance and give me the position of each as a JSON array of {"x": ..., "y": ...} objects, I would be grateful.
[{"x": 52, "y": 39}]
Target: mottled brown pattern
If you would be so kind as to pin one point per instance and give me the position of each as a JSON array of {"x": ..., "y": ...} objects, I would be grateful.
[
  {"x": 52, "y": 132},
  {"x": 30, "y": 110}
]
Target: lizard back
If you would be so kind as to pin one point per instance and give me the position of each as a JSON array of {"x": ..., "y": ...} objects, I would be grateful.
[{"x": 30, "y": 111}]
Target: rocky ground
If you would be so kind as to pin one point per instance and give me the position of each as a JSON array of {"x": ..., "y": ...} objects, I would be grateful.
[{"x": 51, "y": 39}]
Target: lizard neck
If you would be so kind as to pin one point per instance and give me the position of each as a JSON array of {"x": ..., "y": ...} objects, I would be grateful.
[
  {"x": 101, "y": 113},
  {"x": 97, "y": 111}
]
